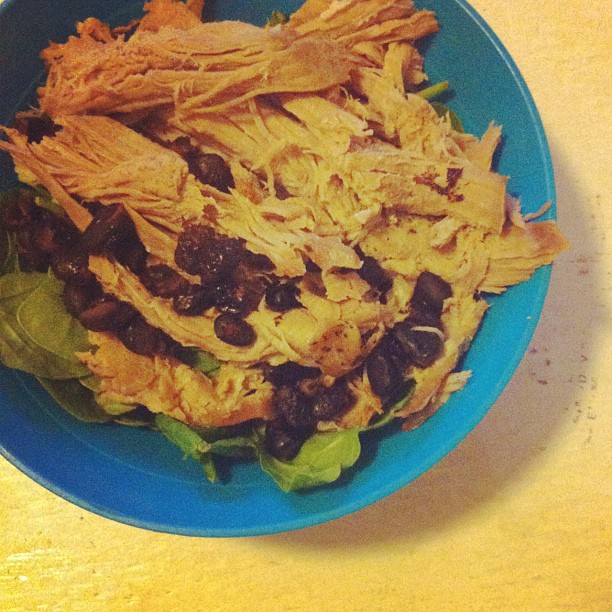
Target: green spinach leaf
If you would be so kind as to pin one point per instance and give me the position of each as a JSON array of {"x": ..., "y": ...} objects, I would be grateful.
[
  {"x": 180, "y": 434},
  {"x": 320, "y": 460},
  {"x": 114, "y": 408},
  {"x": 391, "y": 413},
  {"x": 17, "y": 349},
  {"x": 201, "y": 360},
  {"x": 189, "y": 442},
  {"x": 433, "y": 90},
  {"x": 91, "y": 382},
  {"x": 45, "y": 200},
  {"x": 442, "y": 110},
  {"x": 277, "y": 18},
  {"x": 44, "y": 318},
  {"x": 75, "y": 399},
  {"x": 6, "y": 250},
  {"x": 195, "y": 446}
]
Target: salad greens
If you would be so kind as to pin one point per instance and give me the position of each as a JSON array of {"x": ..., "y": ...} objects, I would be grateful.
[
  {"x": 40, "y": 337},
  {"x": 277, "y": 18},
  {"x": 320, "y": 461},
  {"x": 27, "y": 301},
  {"x": 201, "y": 360},
  {"x": 57, "y": 331},
  {"x": 433, "y": 90},
  {"x": 442, "y": 110},
  {"x": 75, "y": 399}
]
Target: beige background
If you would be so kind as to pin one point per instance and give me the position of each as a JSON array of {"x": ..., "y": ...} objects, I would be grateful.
[{"x": 516, "y": 518}]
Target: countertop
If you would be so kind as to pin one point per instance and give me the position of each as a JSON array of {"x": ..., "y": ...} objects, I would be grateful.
[{"x": 518, "y": 517}]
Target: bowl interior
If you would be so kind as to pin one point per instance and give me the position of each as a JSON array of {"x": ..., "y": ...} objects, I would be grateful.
[{"x": 135, "y": 476}]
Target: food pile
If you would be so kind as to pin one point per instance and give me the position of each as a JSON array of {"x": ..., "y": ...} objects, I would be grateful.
[{"x": 262, "y": 240}]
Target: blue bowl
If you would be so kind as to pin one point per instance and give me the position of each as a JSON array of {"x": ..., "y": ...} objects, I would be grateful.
[{"x": 135, "y": 476}]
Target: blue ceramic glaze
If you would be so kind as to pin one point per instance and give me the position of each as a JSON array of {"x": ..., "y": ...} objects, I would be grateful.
[{"x": 136, "y": 476}]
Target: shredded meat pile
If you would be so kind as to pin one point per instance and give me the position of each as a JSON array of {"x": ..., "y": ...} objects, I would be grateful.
[{"x": 334, "y": 162}]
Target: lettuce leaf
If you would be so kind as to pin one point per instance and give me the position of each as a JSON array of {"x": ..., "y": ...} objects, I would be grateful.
[
  {"x": 113, "y": 408},
  {"x": 138, "y": 417},
  {"x": 324, "y": 456},
  {"x": 391, "y": 413},
  {"x": 81, "y": 402},
  {"x": 39, "y": 336},
  {"x": 180, "y": 434}
]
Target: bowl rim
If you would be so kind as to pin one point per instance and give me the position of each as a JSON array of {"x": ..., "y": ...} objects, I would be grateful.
[{"x": 412, "y": 472}]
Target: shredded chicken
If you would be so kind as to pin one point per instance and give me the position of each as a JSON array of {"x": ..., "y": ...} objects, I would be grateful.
[
  {"x": 173, "y": 58},
  {"x": 333, "y": 157},
  {"x": 164, "y": 385}
]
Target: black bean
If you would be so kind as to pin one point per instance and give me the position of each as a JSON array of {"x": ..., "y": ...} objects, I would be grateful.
[
  {"x": 430, "y": 292},
  {"x": 132, "y": 253},
  {"x": 143, "y": 339},
  {"x": 418, "y": 318},
  {"x": 21, "y": 211},
  {"x": 258, "y": 261},
  {"x": 169, "y": 347},
  {"x": 334, "y": 401},
  {"x": 36, "y": 127},
  {"x": 211, "y": 169},
  {"x": 390, "y": 347},
  {"x": 52, "y": 233},
  {"x": 78, "y": 296},
  {"x": 44, "y": 239},
  {"x": 71, "y": 265},
  {"x": 112, "y": 231},
  {"x": 106, "y": 314},
  {"x": 181, "y": 146},
  {"x": 290, "y": 373},
  {"x": 233, "y": 329},
  {"x": 282, "y": 296},
  {"x": 92, "y": 206},
  {"x": 125, "y": 314},
  {"x": 373, "y": 273},
  {"x": 193, "y": 301},
  {"x": 107, "y": 229},
  {"x": 383, "y": 374},
  {"x": 422, "y": 347},
  {"x": 31, "y": 258},
  {"x": 282, "y": 442},
  {"x": 311, "y": 266},
  {"x": 162, "y": 281},
  {"x": 240, "y": 297},
  {"x": 313, "y": 282},
  {"x": 201, "y": 251},
  {"x": 294, "y": 407}
]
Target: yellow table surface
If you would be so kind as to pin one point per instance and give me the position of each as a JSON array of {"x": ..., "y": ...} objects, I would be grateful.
[{"x": 518, "y": 517}]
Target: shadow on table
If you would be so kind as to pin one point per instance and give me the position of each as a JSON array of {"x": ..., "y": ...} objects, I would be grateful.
[{"x": 526, "y": 419}]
